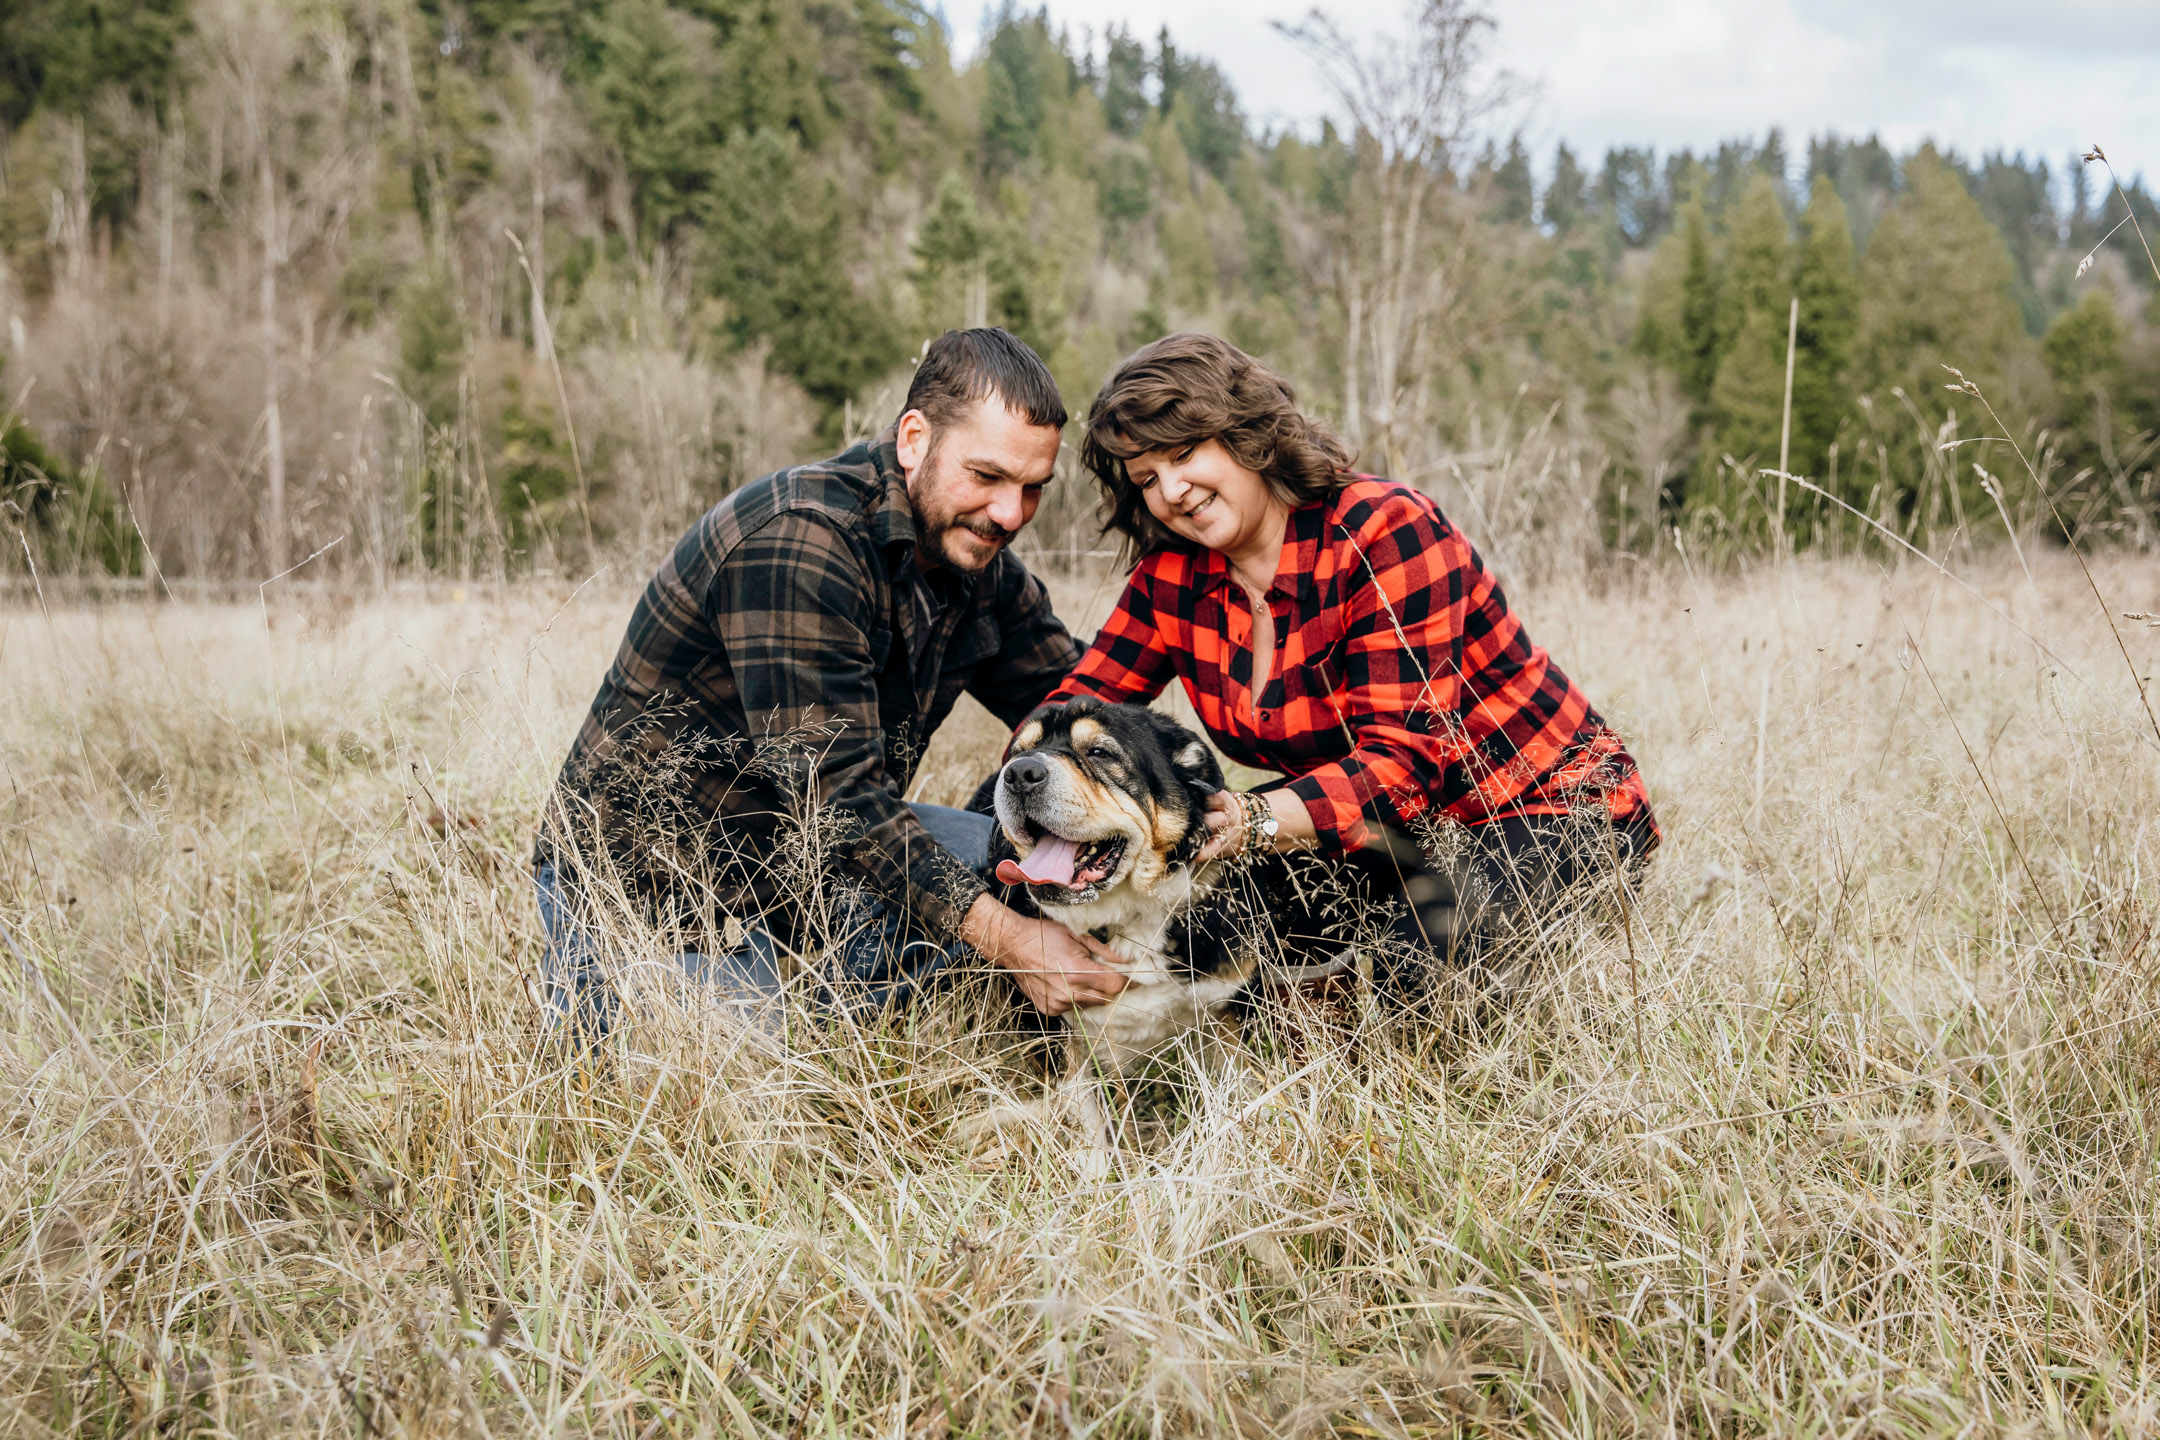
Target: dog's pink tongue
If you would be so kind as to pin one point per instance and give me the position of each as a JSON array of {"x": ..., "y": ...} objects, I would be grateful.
[{"x": 1051, "y": 861}]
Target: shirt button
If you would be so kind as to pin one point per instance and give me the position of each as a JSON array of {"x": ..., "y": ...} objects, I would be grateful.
[{"x": 1266, "y": 714}]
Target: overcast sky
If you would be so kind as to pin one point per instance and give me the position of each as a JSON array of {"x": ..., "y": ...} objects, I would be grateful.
[{"x": 2044, "y": 76}]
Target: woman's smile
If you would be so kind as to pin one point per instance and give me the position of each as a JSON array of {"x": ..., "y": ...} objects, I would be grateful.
[{"x": 1202, "y": 494}]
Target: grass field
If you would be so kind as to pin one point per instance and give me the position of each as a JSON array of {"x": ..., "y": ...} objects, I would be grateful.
[{"x": 1847, "y": 1132}]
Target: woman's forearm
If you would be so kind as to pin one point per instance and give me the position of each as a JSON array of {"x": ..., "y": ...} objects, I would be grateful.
[
  {"x": 1294, "y": 829},
  {"x": 1228, "y": 830}
]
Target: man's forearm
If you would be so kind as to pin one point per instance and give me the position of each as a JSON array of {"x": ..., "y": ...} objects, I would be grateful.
[
  {"x": 985, "y": 929},
  {"x": 1054, "y": 968}
]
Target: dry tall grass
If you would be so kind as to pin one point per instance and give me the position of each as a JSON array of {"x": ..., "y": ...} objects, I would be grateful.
[{"x": 1846, "y": 1133}]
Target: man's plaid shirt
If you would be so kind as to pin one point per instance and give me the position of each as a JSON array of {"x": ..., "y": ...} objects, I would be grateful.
[
  {"x": 790, "y": 660},
  {"x": 1400, "y": 675}
]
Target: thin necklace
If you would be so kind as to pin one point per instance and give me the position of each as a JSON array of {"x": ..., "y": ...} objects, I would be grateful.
[{"x": 1237, "y": 572}]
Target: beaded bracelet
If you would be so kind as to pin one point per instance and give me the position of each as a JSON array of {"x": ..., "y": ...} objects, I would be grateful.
[{"x": 1260, "y": 825}]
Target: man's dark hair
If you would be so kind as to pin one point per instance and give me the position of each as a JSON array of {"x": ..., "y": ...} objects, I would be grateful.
[{"x": 961, "y": 367}]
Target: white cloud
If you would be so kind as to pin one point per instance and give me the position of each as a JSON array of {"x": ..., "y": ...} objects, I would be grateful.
[{"x": 1977, "y": 75}]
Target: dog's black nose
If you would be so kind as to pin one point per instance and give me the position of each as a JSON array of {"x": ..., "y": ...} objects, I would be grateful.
[{"x": 1027, "y": 773}]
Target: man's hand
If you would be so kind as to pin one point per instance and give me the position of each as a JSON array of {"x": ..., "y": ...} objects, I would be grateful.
[{"x": 1053, "y": 967}]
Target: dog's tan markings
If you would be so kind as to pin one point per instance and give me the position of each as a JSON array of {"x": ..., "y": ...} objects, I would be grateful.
[
  {"x": 1170, "y": 827},
  {"x": 1149, "y": 864},
  {"x": 1085, "y": 732},
  {"x": 1192, "y": 757},
  {"x": 1029, "y": 737},
  {"x": 1119, "y": 800}
]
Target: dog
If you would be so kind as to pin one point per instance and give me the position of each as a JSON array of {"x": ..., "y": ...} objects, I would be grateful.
[{"x": 1101, "y": 815}]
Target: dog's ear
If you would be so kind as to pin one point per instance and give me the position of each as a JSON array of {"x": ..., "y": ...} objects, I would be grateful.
[{"x": 1190, "y": 756}]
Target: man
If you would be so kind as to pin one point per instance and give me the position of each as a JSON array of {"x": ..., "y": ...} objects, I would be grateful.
[{"x": 748, "y": 752}]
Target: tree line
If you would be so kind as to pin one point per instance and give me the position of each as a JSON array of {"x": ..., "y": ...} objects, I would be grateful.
[{"x": 469, "y": 287}]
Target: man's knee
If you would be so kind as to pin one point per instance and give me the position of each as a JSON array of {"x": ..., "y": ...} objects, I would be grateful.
[{"x": 964, "y": 833}]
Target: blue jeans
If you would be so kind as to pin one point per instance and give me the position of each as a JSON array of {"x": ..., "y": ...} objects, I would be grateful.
[{"x": 882, "y": 958}]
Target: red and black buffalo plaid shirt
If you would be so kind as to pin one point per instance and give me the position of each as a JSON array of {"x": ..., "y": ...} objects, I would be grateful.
[{"x": 1400, "y": 674}]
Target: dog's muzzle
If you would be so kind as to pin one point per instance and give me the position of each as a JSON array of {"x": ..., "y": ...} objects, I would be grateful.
[
  {"x": 1027, "y": 774},
  {"x": 1055, "y": 861}
]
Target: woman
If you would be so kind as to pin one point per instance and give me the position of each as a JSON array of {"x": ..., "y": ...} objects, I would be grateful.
[{"x": 1338, "y": 629}]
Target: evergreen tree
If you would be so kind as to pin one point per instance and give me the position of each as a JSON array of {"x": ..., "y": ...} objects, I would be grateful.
[
  {"x": 66, "y": 53},
  {"x": 1200, "y": 102},
  {"x": 776, "y": 69},
  {"x": 776, "y": 248},
  {"x": 646, "y": 96},
  {"x": 2085, "y": 356},
  {"x": 1685, "y": 179},
  {"x": 1771, "y": 161},
  {"x": 1747, "y": 396},
  {"x": 1657, "y": 322},
  {"x": 1019, "y": 70},
  {"x": 1677, "y": 326},
  {"x": 1513, "y": 183},
  {"x": 2016, "y": 197},
  {"x": 1697, "y": 352},
  {"x": 1935, "y": 287},
  {"x": 1865, "y": 174},
  {"x": 977, "y": 268},
  {"x": 1935, "y": 290},
  {"x": 1758, "y": 262},
  {"x": 1728, "y": 173},
  {"x": 1629, "y": 192},
  {"x": 1124, "y": 84},
  {"x": 1566, "y": 198},
  {"x": 1827, "y": 281},
  {"x": 552, "y": 26}
]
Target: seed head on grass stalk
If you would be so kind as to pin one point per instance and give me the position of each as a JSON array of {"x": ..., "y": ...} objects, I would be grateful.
[
  {"x": 1553, "y": 1222},
  {"x": 1964, "y": 386}
]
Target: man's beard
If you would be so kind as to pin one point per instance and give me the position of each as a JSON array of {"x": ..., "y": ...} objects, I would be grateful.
[
  {"x": 930, "y": 542},
  {"x": 931, "y": 530}
]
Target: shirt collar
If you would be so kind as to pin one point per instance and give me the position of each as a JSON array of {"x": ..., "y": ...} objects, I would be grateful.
[
  {"x": 1208, "y": 570},
  {"x": 892, "y": 513},
  {"x": 892, "y": 524}
]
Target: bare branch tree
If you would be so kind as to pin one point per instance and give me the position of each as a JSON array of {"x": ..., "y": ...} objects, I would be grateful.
[
  {"x": 1414, "y": 102},
  {"x": 538, "y": 139},
  {"x": 283, "y": 86}
]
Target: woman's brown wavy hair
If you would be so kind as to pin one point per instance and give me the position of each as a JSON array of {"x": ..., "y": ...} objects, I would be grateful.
[{"x": 1185, "y": 389}]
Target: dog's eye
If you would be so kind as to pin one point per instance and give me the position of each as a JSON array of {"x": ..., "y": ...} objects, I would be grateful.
[{"x": 1103, "y": 754}]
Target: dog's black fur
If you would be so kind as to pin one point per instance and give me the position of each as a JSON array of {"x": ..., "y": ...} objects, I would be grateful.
[
  {"x": 1124, "y": 792},
  {"x": 1190, "y": 938}
]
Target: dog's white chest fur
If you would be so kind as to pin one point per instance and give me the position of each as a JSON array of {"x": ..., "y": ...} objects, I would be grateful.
[
  {"x": 1146, "y": 1016},
  {"x": 1157, "y": 1005}
]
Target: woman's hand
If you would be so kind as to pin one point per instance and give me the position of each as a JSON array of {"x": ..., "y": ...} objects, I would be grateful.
[
  {"x": 1225, "y": 827},
  {"x": 1228, "y": 824}
]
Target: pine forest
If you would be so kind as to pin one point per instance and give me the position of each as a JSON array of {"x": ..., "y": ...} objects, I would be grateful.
[{"x": 486, "y": 288}]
